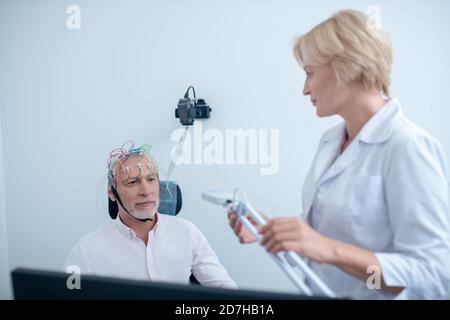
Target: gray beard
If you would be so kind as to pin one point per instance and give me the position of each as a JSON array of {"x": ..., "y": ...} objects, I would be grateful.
[{"x": 143, "y": 215}]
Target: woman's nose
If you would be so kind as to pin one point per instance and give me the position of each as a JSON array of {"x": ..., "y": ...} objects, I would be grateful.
[{"x": 306, "y": 90}]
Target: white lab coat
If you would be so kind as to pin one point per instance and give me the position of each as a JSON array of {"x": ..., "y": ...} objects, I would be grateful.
[{"x": 387, "y": 193}]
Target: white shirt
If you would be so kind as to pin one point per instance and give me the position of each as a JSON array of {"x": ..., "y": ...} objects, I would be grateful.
[
  {"x": 176, "y": 248},
  {"x": 387, "y": 193}
]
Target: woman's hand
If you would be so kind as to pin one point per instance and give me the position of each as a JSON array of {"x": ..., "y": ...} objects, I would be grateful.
[
  {"x": 293, "y": 234},
  {"x": 241, "y": 232}
]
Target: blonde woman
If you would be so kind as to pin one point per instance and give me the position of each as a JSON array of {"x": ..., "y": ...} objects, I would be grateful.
[{"x": 375, "y": 199}]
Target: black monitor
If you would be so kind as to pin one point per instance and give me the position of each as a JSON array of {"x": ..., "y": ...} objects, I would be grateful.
[{"x": 38, "y": 284}]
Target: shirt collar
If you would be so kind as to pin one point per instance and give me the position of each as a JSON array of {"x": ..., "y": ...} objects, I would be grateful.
[
  {"x": 378, "y": 129},
  {"x": 129, "y": 233},
  {"x": 335, "y": 133}
]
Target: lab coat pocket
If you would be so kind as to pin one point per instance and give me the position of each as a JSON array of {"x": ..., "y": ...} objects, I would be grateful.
[{"x": 367, "y": 203}]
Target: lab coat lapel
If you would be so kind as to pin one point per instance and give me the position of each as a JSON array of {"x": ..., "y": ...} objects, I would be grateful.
[
  {"x": 328, "y": 149},
  {"x": 323, "y": 161},
  {"x": 342, "y": 162},
  {"x": 377, "y": 130}
]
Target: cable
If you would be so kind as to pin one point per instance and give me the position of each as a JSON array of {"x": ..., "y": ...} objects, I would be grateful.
[{"x": 186, "y": 95}]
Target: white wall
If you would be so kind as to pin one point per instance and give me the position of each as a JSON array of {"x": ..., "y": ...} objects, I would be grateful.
[
  {"x": 69, "y": 97},
  {"x": 5, "y": 285}
]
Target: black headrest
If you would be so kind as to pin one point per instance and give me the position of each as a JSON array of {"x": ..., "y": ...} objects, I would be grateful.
[{"x": 170, "y": 200}]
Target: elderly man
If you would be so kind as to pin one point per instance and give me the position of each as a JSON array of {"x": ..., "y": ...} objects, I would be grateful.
[{"x": 142, "y": 243}]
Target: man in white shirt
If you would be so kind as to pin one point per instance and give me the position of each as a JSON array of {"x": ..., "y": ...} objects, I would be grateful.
[{"x": 141, "y": 243}]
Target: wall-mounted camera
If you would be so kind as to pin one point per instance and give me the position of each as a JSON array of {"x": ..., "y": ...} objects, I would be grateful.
[{"x": 189, "y": 109}]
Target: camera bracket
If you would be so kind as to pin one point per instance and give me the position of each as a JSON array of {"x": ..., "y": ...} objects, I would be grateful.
[{"x": 189, "y": 109}]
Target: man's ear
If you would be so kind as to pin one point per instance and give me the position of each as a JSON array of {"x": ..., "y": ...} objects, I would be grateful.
[{"x": 111, "y": 195}]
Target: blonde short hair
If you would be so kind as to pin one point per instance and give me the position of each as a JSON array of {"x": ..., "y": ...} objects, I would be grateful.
[{"x": 354, "y": 49}]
